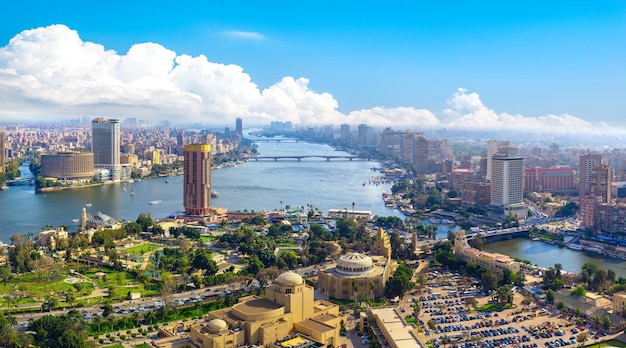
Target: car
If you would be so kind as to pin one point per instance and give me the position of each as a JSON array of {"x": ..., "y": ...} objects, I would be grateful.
[{"x": 365, "y": 342}]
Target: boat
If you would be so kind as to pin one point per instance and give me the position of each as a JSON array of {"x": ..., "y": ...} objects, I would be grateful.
[
  {"x": 536, "y": 239},
  {"x": 124, "y": 189},
  {"x": 20, "y": 182},
  {"x": 87, "y": 204},
  {"x": 158, "y": 201},
  {"x": 166, "y": 181},
  {"x": 75, "y": 220},
  {"x": 215, "y": 194},
  {"x": 132, "y": 192},
  {"x": 575, "y": 246},
  {"x": 434, "y": 220}
]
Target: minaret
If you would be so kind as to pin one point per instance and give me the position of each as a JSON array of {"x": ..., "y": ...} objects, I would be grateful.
[
  {"x": 83, "y": 220},
  {"x": 414, "y": 240}
]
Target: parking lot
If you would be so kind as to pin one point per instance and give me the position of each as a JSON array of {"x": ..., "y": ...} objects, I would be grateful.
[{"x": 449, "y": 308}]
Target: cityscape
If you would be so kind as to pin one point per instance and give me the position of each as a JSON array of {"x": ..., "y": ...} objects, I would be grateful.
[{"x": 301, "y": 175}]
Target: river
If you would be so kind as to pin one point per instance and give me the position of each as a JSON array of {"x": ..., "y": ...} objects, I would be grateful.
[
  {"x": 255, "y": 186},
  {"x": 546, "y": 255},
  {"x": 252, "y": 185}
]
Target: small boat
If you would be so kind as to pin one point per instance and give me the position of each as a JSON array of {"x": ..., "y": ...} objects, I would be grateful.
[
  {"x": 75, "y": 220},
  {"x": 87, "y": 204},
  {"x": 155, "y": 202},
  {"x": 166, "y": 181},
  {"x": 132, "y": 192},
  {"x": 575, "y": 246},
  {"x": 536, "y": 239},
  {"x": 124, "y": 189},
  {"x": 215, "y": 194}
]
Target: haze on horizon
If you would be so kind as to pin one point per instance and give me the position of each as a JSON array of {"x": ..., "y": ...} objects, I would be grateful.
[{"x": 423, "y": 66}]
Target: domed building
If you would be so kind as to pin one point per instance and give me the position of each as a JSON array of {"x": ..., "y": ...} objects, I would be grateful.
[
  {"x": 354, "y": 274},
  {"x": 288, "y": 313}
]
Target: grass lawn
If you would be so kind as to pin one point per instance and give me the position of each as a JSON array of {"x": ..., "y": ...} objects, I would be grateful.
[
  {"x": 141, "y": 249},
  {"x": 409, "y": 319},
  {"x": 38, "y": 286},
  {"x": 207, "y": 239},
  {"x": 611, "y": 343},
  {"x": 121, "y": 283},
  {"x": 493, "y": 307}
]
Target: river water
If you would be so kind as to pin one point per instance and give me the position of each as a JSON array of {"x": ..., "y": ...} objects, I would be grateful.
[
  {"x": 252, "y": 185},
  {"x": 255, "y": 186}
]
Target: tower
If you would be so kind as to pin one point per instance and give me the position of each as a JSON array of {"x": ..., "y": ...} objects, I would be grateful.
[
  {"x": 83, "y": 219},
  {"x": 601, "y": 180},
  {"x": 239, "y": 126},
  {"x": 197, "y": 179},
  {"x": 507, "y": 178},
  {"x": 587, "y": 164},
  {"x": 106, "y": 146},
  {"x": 493, "y": 147}
]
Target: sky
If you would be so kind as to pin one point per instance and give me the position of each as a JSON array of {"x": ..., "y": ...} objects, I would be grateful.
[{"x": 491, "y": 65}]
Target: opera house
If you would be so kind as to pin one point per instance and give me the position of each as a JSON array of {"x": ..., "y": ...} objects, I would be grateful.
[
  {"x": 288, "y": 313},
  {"x": 355, "y": 275}
]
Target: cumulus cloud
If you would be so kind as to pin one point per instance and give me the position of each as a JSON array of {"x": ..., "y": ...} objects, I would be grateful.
[
  {"x": 50, "y": 73},
  {"x": 467, "y": 111},
  {"x": 246, "y": 34}
]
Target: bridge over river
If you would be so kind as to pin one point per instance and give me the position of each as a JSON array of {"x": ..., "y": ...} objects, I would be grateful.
[
  {"x": 299, "y": 158},
  {"x": 502, "y": 234}
]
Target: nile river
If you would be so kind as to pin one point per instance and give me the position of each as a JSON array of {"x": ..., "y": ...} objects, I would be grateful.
[{"x": 253, "y": 186}]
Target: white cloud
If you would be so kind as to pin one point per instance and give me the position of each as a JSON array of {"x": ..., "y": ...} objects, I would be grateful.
[
  {"x": 50, "y": 73},
  {"x": 246, "y": 35}
]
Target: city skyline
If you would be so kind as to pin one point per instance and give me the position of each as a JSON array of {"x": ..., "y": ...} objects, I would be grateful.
[{"x": 548, "y": 67}]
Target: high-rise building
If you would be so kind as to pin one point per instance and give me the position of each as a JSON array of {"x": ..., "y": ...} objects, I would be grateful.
[
  {"x": 239, "y": 126},
  {"x": 106, "y": 146},
  {"x": 346, "y": 136},
  {"x": 601, "y": 183},
  {"x": 507, "y": 178},
  {"x": 3, "y": 152},
  {"x": 587, "y": 164},
  {"x": 197, "y": 180},
  {"x": 493, "y": 147}
]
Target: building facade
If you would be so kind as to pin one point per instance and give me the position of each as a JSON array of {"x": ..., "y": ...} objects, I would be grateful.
[
  {"x": 239, "y": 126},
  {"x": 483, "y": 259},
  {"x": 356, "y": 275},
  {"x": 587, "y": 163},
  {"x": 68, "y": 166},
  {"x": 106, "y": 146},
  {"x": 197, "y": 179},
  {"x": 3, "y": 152},
  {"x": 287, "y": 316},
  {"x": 507, "y": 178}
]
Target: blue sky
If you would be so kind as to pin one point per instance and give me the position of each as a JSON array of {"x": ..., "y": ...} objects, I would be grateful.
[{"x": 401, "y": 61}]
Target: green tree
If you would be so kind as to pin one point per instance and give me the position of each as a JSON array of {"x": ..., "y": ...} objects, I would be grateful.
[
  {"x": 606, "y": 322},
  {"x": 550, "y": 296}
]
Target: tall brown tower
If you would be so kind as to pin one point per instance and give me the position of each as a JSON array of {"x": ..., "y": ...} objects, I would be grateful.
[{"x": 197, "y": 186}]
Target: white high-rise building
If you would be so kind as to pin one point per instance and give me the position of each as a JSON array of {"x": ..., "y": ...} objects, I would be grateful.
[
  {"x": 507, "y": 177},
  {"x": 106, "y": 146},
  {"x": 493, "y": 147}
]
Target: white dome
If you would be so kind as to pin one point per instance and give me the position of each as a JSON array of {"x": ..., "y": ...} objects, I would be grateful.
[
  {"x": 354, "y": 263},
  {"x": 217, "y": 325},
  {"x": 289, "y": 279}
]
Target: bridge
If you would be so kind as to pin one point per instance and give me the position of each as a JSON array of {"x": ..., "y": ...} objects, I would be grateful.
[
  {"x": 299, "y": 158},
  {"x": 502, "y": 234},
  {"x": 279, "y": 140}
]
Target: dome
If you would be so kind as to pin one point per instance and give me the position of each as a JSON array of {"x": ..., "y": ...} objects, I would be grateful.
[
  {"x": 289, "y": 279},
  {"x": 217, "y": 325},
  {"x": 354, "y": 263}
]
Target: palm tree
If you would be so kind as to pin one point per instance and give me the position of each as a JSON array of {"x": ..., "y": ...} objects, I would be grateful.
[
  {"x": 136, "y": 318},
  {"x": 149, "y": 316}
]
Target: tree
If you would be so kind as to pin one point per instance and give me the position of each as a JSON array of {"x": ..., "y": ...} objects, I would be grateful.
[
  {"x": 145, "y": 221},
  {"x": 49, "y": 303},
  {"x": 579, "y": 291},
  {"x": 70, "y": 296},
  {"x": 550, "y": 296},
  {"x": 560, "y": 305},
  {"x": 505, "y": 295},
  {"x": 107, "y": 310},
  {"x": 606, "y": 322}
]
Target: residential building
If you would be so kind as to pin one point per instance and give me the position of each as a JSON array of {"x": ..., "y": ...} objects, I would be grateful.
[
  {"x": 587, "y": 164},
  {"x": 601, "y": 183}
]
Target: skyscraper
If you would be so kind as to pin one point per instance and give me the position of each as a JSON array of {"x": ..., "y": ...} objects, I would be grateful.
[
  {"x": 197, "y": 181},
  {"x": 493, "y": 147},
  {"x": 346, "y": 136},
  {"x": 106, "y": 146},
  {"x": 239, "y": 126},
  {"x": 587, "y": 163},
  {"x": 507, "y": 177},
  {"x": 601, "y": 182}
]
